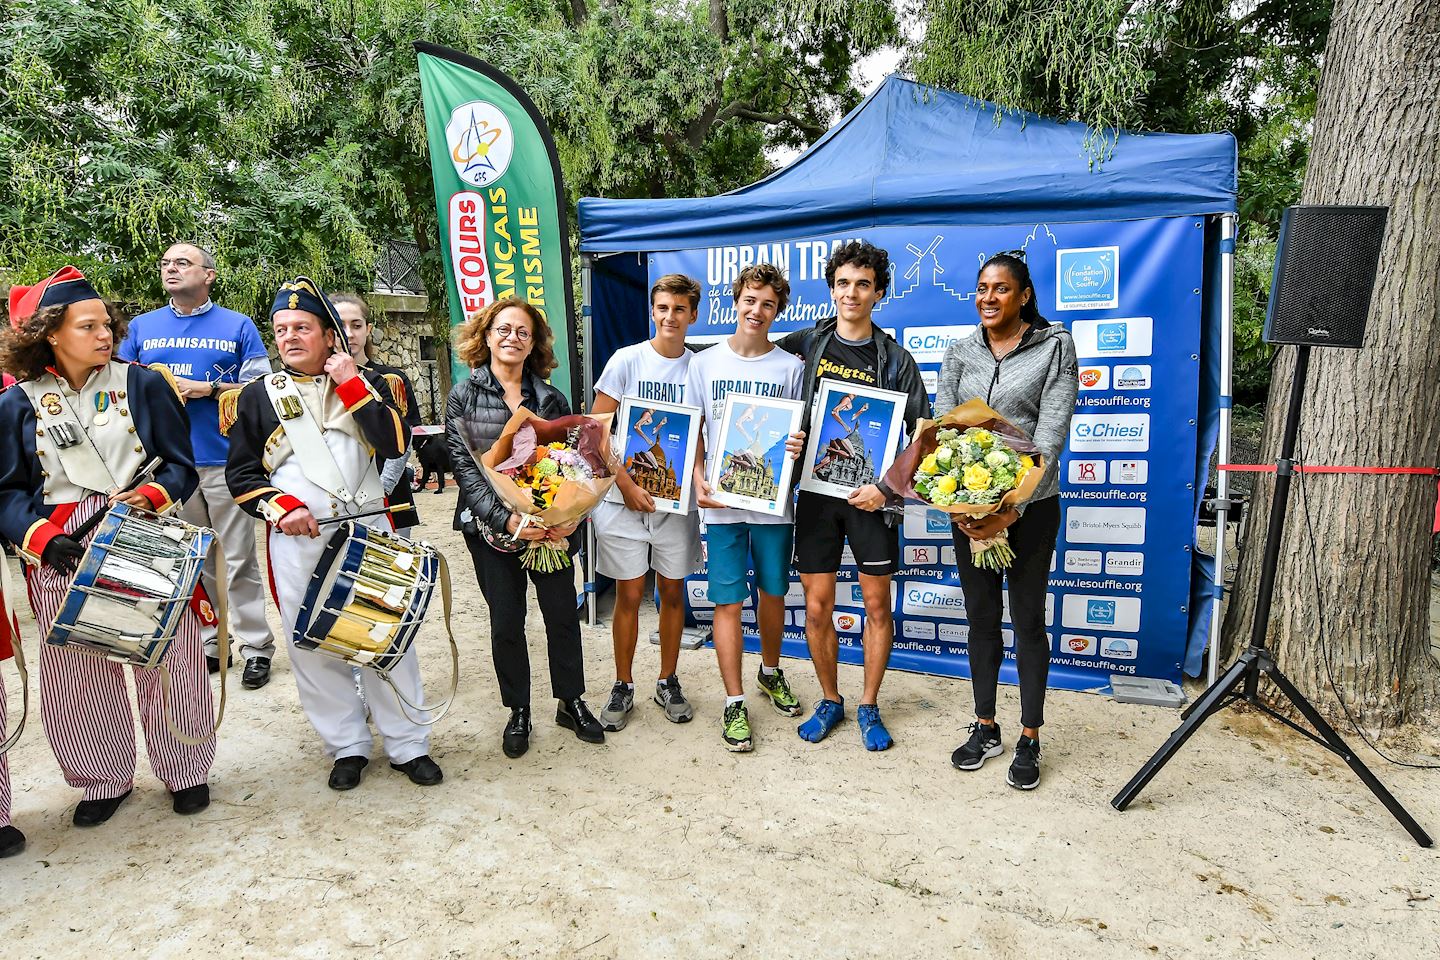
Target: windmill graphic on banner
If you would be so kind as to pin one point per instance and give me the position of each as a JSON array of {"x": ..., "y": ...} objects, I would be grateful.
[{"x": 926, "y": 262}]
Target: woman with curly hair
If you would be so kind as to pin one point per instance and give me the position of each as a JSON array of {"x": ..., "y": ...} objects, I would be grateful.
[
  {"x": 81, "y": 425},
  {"x": 511, "y": 351}
]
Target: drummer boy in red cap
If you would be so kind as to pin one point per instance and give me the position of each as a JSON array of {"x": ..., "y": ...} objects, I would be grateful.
[
  {"x": 80, "y": 425},
  {"x": 305, "y": 446}
]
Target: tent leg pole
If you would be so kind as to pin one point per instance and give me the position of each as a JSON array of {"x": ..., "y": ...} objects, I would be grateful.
[
  {"x": 1222, "y": 481},
  {"x": 587, "y": 325}
]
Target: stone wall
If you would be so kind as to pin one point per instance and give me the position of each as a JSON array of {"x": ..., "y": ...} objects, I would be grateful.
[{"x": 404, "y": 338}]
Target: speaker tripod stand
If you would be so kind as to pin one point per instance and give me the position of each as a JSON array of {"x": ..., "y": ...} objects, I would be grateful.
[{"x": 1242, "y": 680}]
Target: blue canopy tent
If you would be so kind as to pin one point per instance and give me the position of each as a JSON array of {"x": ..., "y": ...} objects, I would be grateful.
[{"x": 911, "y": 154}]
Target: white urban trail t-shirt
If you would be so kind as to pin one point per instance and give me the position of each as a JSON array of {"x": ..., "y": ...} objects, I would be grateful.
[
  {"x": 639, "y": 370},
  {"x": 719, "y": 371}
]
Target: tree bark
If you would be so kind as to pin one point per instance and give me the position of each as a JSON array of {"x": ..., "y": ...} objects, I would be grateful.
[{"x": 1353, "y": 582}]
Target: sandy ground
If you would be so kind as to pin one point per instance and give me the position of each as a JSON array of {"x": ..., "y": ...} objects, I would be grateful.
[{"x": 661, "y": 844}]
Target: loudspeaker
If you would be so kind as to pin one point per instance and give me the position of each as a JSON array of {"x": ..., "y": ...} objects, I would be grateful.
[{"x": 1324, "y": 275}]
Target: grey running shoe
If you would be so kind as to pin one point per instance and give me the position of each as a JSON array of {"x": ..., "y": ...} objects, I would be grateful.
[
  {"x": 617, "y": 709},
  {"x": 668, "y": 695}
]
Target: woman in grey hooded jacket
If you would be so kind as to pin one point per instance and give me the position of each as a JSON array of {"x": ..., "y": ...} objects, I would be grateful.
[{"x": 1024, "y": 367}]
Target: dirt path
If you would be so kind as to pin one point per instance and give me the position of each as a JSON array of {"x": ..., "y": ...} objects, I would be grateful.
[{"x": 661, "y": 844}]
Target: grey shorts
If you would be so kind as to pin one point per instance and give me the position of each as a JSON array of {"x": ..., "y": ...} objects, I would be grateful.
[{"x": 629, "y": 545}]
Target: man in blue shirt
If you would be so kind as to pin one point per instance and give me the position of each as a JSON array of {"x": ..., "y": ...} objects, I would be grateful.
[{"x": 210, "y": 349}]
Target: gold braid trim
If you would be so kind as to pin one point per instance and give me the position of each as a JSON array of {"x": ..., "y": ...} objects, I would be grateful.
[
  {"x": 229, "y": 409},
  {"x": 164, "y": 371},
  {"x": 397, "y": 390}
]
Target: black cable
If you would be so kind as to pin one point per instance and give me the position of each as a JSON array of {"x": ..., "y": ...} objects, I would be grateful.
[{"x": 1320, "y": 611}]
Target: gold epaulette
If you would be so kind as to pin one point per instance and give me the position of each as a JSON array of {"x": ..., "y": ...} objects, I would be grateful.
[
  {"x": 397, "y": 390},
  {"x": 164, "y": 371},
  {"x": 229, "y": 408}
]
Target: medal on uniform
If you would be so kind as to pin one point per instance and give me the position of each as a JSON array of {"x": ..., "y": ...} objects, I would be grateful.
[{"x": 102, "y": 403}]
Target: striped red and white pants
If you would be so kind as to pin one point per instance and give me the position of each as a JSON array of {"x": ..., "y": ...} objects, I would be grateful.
[
  {"x": 86, "y": 708},
  {"x": 4, "y": 758}
]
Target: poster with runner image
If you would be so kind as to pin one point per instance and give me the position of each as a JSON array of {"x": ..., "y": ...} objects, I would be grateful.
[
  {"x": 656, "y": 443},
  {"x": 855, "y": 432},
  {"x": 751, "y": 470}
]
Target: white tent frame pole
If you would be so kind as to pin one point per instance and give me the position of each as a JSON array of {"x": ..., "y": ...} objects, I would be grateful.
[
  {"x": 1222, "y": 446},
  {"x": 587, "y": 330}
]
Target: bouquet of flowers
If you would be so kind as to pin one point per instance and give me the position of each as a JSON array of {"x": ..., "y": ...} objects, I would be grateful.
[
  {"x": 552, "y": 473},
  {"x": 974, "y": 462}
]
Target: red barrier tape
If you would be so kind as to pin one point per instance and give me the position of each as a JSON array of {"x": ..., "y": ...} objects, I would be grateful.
[{"x": 1305, "y": 468}]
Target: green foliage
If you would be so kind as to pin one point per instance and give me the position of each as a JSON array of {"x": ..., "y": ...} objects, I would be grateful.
[
  {"x": 1184, "y": 66},
  {"x": 288, "y": 135}
]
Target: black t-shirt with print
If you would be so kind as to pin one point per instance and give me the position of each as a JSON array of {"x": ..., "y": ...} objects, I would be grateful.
[{"x": 849, "y": 361}]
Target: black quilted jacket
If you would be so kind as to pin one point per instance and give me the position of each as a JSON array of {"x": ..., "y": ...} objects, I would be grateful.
[{"x": 475, "y": 413}]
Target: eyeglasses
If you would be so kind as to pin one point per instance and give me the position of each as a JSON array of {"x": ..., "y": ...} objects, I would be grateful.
[
  {"x": 505, "y": 333},
  {"x": 180, "y": 263}
]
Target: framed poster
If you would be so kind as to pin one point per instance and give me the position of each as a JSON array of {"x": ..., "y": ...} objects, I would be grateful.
[
  {"x": 751, "y": 470},
  {"x": 656, "y": 443},
  {"x": 855, "y": 432}
]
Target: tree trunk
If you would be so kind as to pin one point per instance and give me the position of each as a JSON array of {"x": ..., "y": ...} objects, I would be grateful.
[{"x": 1354, "y": 587}]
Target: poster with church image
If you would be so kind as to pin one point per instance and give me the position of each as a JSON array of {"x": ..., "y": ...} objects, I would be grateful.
[
  {"x": 751, "y": 470},
  {"x": 855, "y": 432},
  {"x": 656, "y": 443}
]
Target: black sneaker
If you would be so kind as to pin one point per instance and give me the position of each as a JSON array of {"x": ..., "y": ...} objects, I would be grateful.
[
  {"x": 983, "y": 744},
  {"x": 1025, "y": 768}
]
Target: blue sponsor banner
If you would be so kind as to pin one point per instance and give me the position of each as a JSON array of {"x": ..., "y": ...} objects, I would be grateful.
[{"x": 1129, "y": 292}]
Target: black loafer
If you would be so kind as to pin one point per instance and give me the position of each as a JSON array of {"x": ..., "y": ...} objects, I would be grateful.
[
  {"x": 92, "y": 813},
  {"x": 345, "y": 775},
  {"x": 12, "y": 842},
  {"x": 516, "y": 739},
  {"x": 422, "y": 771},
  {"x": 191, "y": 799},
  {"x": 257, "y": 673},
  {"x": 575, "y": 715}
]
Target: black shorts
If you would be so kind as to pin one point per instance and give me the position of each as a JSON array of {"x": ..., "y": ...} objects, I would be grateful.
[{"x": 823, "y": 524}]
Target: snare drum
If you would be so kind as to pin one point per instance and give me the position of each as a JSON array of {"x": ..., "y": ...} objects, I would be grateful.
[
  {"x": 367, "y": 598},
  {"x": 133, "y": 585}
]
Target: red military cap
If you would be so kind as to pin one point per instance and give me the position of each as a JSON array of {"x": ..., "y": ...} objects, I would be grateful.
[{"x": 63, "y": 287}]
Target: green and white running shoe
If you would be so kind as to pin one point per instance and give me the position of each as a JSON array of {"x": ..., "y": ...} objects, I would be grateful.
[
  {"x": 777, "y": 688},
  {"x": 735, "y": 729}
]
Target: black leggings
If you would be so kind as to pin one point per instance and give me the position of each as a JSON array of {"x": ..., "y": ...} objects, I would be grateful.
[
  {"x": 1033, "y": 539},
  {"x": 502, "y": 581}
]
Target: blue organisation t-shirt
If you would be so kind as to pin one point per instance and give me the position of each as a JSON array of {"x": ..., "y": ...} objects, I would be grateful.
[{"x": 212, "y": 345}]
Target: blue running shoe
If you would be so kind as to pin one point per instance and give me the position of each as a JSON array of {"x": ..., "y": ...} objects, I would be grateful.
[
  {"x": 822, "y": 721},
  {"x": 872, "y": 729}
]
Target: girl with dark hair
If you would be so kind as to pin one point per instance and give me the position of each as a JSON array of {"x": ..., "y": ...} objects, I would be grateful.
[
  {"x": 79, "y": 426},
  {"x": 510, "y": 349},
  {"x": 396, "y": 476},
  {"x": 1024, "y": 367}
]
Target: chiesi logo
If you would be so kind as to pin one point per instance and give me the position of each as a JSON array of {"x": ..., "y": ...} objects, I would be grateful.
[
  {"x": 927, "y": 598},
  {"x": 1110, "y": 431},
  {"x": 481, "y": 142},
  {"x": 928, "y": 344}
]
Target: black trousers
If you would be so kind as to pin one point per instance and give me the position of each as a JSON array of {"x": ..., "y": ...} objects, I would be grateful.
[
  {"x": 502, "y": 581},
  {"x": 1033, "y": 539}
]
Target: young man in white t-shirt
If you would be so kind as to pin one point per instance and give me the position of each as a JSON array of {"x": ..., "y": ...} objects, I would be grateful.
[
  {"x": 631, "y": 538},
  {"x": 747, "y": 362}
]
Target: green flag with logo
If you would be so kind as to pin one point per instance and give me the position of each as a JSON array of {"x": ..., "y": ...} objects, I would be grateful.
[{"x": 501, "y": 202}]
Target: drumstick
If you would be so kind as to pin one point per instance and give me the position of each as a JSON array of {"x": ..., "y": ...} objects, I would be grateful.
[
  {"x": 356, "y": 516},
  {"x": 146, "y": 472}
]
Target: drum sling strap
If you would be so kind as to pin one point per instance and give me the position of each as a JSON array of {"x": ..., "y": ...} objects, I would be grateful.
[
  {"x": 308, "y": 443},
  {"x": 437, "y": 711},
  {"x": 222, "y": 647}
]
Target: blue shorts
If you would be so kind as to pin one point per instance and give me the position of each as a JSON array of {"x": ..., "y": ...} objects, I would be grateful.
[{"x": 733, "y": 547}]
